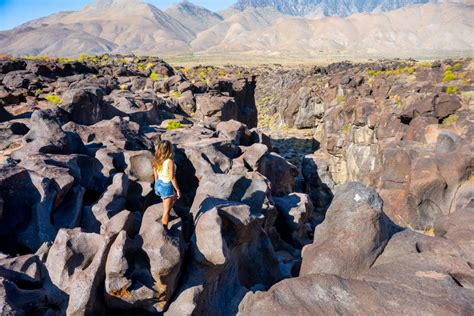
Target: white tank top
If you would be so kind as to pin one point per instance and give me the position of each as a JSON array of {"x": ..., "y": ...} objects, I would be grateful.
[{"x": 164, "y": 174}]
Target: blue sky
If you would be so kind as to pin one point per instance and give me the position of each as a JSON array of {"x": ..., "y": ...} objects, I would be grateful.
[{"x": 15, "y": 12}]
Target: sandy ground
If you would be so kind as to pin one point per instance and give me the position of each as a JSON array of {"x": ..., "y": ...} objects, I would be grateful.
[{"x": 247, "y": 59}]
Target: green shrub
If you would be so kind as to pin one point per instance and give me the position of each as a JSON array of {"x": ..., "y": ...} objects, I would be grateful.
[
  {"x": 341, "y": 100},
  {"x": 450, "y": 119},
  {"x": 173, "y": 125},
  {"x": 64, "y": 60},
  {"x": 374, "y": 73},
  {"x": 149, "y": 66},
  {"x": 38, "y": 91},
  {"x": 448, "y": 76},
  {"x": 54, "y": 99},
  {"x": 176, "y": 94},
  {"x": 83, "y": 58},
  {"x": 398, "y": 101},
  {"x": 456, "y": 66},
  {"x": 411, "y": 70},
  {"x": 123, "y": 86},
  {"x": 345, "y": 128},
  {"x": 452, "y": 89},
  {"x": 221, "y": 73},
  {"x": 154, "y": 76}
]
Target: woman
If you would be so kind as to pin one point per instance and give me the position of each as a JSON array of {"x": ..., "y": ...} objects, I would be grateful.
[{"x": 164, "y": 171}]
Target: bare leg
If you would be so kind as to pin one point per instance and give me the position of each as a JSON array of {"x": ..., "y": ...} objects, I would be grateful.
[{"x": 167, "y": 205}]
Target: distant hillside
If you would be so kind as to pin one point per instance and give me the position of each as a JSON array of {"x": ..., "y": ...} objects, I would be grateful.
[
  {"x": 418, "y": 29},
  {"x": 195, "y": 18},
  {"x": 327, "y": 7},
  {"x": 133, "y": 26}
]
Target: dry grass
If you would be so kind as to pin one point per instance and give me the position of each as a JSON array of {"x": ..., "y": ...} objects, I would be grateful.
[
  {"x": 430, "y": 231},
  {"x": 122, "y": 293},
  {"x": 252, "y": 59}
]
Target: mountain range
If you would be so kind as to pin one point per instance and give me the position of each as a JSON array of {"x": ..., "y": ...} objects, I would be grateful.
[
  {"x": 264, "y": 27},
  {"x": 327, "y": 7}
]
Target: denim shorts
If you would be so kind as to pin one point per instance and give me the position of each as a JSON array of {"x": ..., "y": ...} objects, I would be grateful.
[{"x": 164, "y": 189}]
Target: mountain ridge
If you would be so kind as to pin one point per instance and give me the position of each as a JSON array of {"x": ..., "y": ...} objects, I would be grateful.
[
  {"x": 328, "y": 7},
  {"x": 119, "y": 26}
]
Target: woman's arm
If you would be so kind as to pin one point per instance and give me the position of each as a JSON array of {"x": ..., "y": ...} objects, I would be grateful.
[{"x": 173, "y": 179}]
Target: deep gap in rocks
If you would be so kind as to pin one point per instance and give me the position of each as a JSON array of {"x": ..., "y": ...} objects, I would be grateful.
[
  {"x": 90, "y": 197},
  {"x": 19, "y": 129},
  {"x": 455, "y": 279},
  {"x": 405, "y": 120},
  {"x": 344, "y": 111},
  {"x": 417, "y": 247}
]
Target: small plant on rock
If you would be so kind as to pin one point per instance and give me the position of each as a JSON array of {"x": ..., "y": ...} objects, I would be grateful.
[
  {"x": 448, "y": 76},
  {"x": 398, "y": 100},
  {"x": 149, "y": 66},
  {"x": 173, "y": 125},
  {"x": 345, "y": 128},
  {"x": 341, "y": 100},
  {"x": 374, "y": 73},
  {"x": 123, "y": 86},
  {"x": 54, "y": 99},
  {"x": 452, "y": 89},
  {"x": 154, "y": 76},
  {"x": 175, "y": 94},
  {"x": 64, "y": 60},
  {"x": 450, "y": 119},
  {"x": 83, "y": 58},
  {"x": 456, "y": 66},
  {"x": 38, "y": 91}
]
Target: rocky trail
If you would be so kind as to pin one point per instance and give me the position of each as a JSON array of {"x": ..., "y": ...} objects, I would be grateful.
[{"x": 345, "y": 189}]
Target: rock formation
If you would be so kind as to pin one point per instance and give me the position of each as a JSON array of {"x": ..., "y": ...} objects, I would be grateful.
[{"x": 377, "y": 220}]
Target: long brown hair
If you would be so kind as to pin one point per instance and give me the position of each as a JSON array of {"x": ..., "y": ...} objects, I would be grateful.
[{"x": 164, "y": 150}]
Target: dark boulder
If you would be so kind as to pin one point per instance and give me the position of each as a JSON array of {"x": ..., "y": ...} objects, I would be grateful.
[
  {"x": 214, "y": 108},
  {"x": 47, "y": 136},
  {"x": 362, "y": 228},
  {"x": 84, "y": 106}
]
